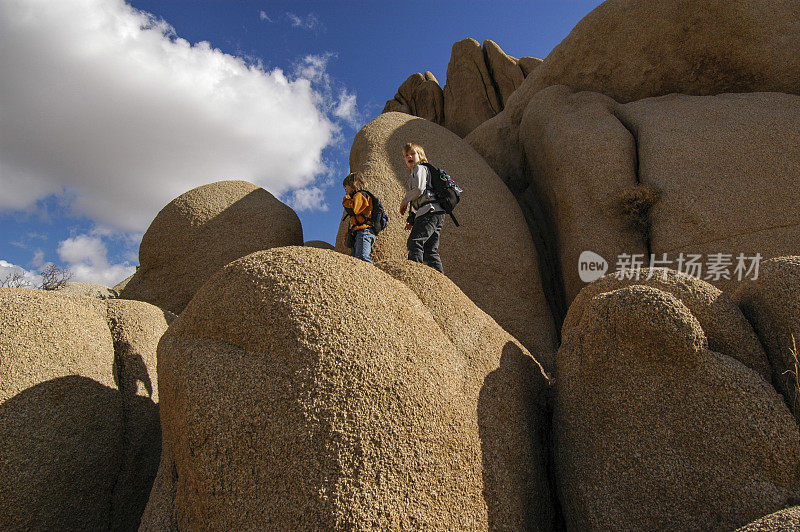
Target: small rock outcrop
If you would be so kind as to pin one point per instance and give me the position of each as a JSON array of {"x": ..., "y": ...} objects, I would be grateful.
[
  {"x": 326, "y": 414},
  {"x": 655, "y": 430},
  {"x": 201, "y": 231},
  {"x": 491, "y": 256},
  {"x": 786, "y": 520},
  {"x": 726, "y": 329},
  {"x": 89, "y": 289},
  {"x": 772, "y": 305},
  {"x": 78, "y": 420},
  {"x": 479, "y": 82},
  {"x": 318, "y": 244}
]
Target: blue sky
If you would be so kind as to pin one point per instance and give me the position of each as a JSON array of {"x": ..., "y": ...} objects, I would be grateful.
[{"x": 110, "y": 109}]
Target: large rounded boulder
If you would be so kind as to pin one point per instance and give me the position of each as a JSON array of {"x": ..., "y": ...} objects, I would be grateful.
[
  {"x": 78, "y": 420},
  {"x": 771, "y": 302},
  {"x": 655, "y": 430},
  {"x": 201, "y": 231},
  {"x": 304, "y": 389},
  {"x": 491, "y": 256}
]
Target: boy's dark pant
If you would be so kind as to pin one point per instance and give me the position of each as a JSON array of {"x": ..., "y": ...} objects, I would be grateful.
[{"x": 423, "y": 242}]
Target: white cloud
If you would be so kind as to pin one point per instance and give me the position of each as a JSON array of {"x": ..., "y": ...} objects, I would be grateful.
[
  {"x": 105, "y": 105},
  {"x": 7, "y": 270},
  {"x": 263, "y": 16},
  {"x": 38, "y": 259},
  {"x": 314, "y": 68},
  {"x": 87, "y": 259},
  {"x": 307, "y": 23},
  {"x": 312, "y": 198},
  {"x": 346, "y": 109}
]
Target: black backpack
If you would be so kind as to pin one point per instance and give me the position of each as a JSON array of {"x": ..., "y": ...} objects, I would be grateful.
[
  {"x": 379, "y": 220},
  {"x": 447, "y": 193}
]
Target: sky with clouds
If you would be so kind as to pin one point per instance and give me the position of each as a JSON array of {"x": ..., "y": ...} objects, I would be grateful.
[{"x": 110, "y": 109}]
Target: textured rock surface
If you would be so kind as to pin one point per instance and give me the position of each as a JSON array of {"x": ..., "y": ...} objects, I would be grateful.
[
  {"x": 321, "y": 417},
  {"x": 654, "y": 428},
  {"x": 136, "y": 328},
  {"x": 78, "y": 448},
  {"x": 318, "y": 244},
  {"x": 583, "y": 160},
  {"x": 469, "y": 95},
  {"x": 419, "y": 95},
  {"x": 772, "y": 304},
  {"x": 202, "y": 230},
  {"x": 528, "y": 64},
  {"x": 727, "y": 330},
  {"x": 726, "y": 168},
  {"x": 787, "y": 520},
  {"x": 505, "y": 73},
  {"x": 633, "y": 49},
  {"x": 491, "y": 258},
  {"x": 89, "y": 289}
]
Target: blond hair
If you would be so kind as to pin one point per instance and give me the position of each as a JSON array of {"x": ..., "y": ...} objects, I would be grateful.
[
  {"x": 355, "y": 180},
  {"x": 410, "y": 146}
]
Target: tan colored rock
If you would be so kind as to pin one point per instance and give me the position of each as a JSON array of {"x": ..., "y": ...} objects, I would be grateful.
[
  {"x": 787, "y": 520},
  {"x": 88, "y": 289},
  {"x": 634, "y": 49},
  {"x": 318, "y": 244},
  {"x": 528, "y": 64},
  {"x": 495, "y": 264},
  {"x": 584, "y": 161},
  {"x": 772, "y": 304},
  {"x": 469, "y": 94},
  {"x": 507, "y": 384},
  {"x": 727, "y": 330},
  {"x": 202, "y": 230},
  {"x": 76, "y": 444},
  {"x": 419, "y": 95},
  {"x": 726, "y": 168},
  {"x": 136, "y": 328},
  {"x": 122, "y": 284},
  {"x": 654, "y": 430},
  {"x": 322, "y": 417},
  {"x": 503, "y": 69}
]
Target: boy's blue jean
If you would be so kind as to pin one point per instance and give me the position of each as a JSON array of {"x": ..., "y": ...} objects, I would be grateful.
[{"x": 362, "y": 245}]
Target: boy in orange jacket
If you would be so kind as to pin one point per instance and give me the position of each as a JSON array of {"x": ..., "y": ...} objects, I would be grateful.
[{"x": 359, "y": 206}]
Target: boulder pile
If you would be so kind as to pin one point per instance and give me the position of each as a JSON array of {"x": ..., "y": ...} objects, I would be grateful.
[{"x": 613, "y": 346}]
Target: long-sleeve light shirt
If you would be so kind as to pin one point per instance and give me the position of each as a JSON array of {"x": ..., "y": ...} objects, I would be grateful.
[{"x": 418, "y": 195}]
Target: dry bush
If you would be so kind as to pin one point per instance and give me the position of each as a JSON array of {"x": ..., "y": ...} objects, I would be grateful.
[
  {"x": 633, "y": 206},
  {"x": 54, "y": 277},
  {"x": 14, "y": 280}
]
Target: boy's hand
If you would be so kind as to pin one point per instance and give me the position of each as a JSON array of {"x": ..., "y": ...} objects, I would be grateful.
[
  {"x": 408, "y": 227},
  {"x": 403, "y": 208}
]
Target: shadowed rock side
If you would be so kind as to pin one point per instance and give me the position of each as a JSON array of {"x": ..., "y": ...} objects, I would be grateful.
[
  {"x": 79, "y": 446},
  {"x": 655, "y": 430},
  {"x": 787, "y": 520},
  {"x": 491, "y": 256},
  {"x": 675, "y": 176},
  {"x": 772, "y": 304},
  {"x": 726, "y": 168},
  {"x": 726, "y": 329},
  {"x": 339, "y": 404},
  {"x": 202, "y": 230},
  {"x": 479, "y": 82},
  {"x": 318, "y": 244},
  {"x": 633, "y": 49},
  {"x": 583, "y": 161},
  {"x": 508, "y": 386}
]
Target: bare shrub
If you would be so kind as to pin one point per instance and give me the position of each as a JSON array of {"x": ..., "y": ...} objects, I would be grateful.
[
  {"x": 14, "y": 280},
  {"x": 634, "y": 205},
  {"x": 54, "y": 277}
]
